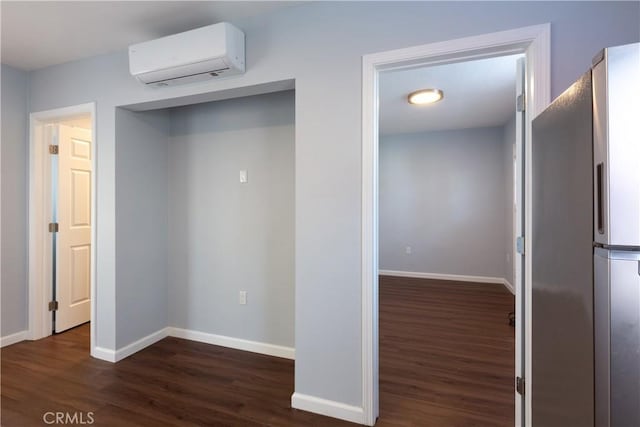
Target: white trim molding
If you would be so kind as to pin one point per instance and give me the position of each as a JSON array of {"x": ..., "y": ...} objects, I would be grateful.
[
  {"x": 105, "y": 354},
  {"x": 451, "y": 277},
  {"x": 114, "y": 356},
  {"x": 439, "y": 276},
  {"x": 203, "y": 337},
  {"x": 328, "y": 408},
  {"x": 236, "y": 343},
  {"x": 140, "y": 344},
  {"x": 14, "y": 338},
  {"x": 507, "y": 284},
  {"x": 535, "y": 43}
]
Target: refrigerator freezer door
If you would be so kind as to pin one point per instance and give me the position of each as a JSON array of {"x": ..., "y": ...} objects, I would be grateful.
[
  {"x": 616, "y": 150},
  {"x": 602, "y": 337},
  {"x": 625, "y": 339},
  {"x": 562, "y": 257},
  {"x": 617, "y": 338}
]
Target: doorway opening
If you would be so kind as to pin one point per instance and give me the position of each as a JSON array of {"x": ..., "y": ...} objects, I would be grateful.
[
  {"x": 534, "y": 43},
  {"x": 62, "y": 230},
  {"x": 447, "y": 215}
]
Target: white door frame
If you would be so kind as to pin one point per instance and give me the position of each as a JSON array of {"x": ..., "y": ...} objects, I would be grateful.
[
  {"x": 40, "y": 240},
  {"x": 534, "y": 42}
]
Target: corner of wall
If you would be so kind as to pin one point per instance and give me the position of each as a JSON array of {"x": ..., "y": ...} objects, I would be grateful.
[{"x": 16, "y": 97}]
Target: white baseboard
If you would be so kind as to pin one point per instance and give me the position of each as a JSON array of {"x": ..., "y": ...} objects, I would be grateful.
[
  {"x": 104, "y": 354},
  {"x": 509, "y": 286},
  {"x": 438, "y": 276},
  {"x": 143, "y": 342},
  {"x": 330, "y": 408},
  {"x": 452, "y": 277},
  {"x": 237, "y": 343},
  {"x": 112, "y": 356},
  {"x": 13, "y": 338}
]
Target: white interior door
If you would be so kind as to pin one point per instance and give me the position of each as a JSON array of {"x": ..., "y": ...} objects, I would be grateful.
[{"x": 73, "y": 240}]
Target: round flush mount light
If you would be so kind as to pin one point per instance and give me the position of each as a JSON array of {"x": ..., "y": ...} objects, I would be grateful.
[{"x": 425, "y": 96}]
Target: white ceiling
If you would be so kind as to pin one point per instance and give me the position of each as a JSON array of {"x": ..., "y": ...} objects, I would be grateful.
[
  {"x": 39, "y": 34},
  {"x": 478, "y": 93}
]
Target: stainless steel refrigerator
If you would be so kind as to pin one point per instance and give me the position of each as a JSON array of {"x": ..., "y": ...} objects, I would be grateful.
[{"x": 586, "y": 249}]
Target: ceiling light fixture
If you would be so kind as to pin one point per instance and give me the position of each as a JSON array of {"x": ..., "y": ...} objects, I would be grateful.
[{"x": 425, "y": 96}]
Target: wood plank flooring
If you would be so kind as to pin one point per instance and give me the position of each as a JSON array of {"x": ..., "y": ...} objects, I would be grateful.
[
  {"x": 174, "y": 382},
  {"x": 446, "y": 356}
]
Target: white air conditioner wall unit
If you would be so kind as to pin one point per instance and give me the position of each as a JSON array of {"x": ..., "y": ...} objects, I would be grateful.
[{"x": 204, "y": 53}]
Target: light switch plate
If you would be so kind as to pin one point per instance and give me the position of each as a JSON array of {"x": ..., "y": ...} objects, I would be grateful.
[
  {"x": 243, "y": 298},
  {"x": 244, "y": 176}
]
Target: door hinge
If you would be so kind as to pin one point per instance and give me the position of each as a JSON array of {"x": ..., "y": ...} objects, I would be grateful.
[
  {"x": 520, "y": 385},
  {"x": 53, "y": 149},
  {"x": 520, "y": 245},
  {"x": 53, "y": 227},
  {"x": 520, "y": 104},
  {"x": 53, "y": 305}
]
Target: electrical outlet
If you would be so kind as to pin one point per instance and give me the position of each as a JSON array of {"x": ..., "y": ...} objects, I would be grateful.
[
  {"x": 243, "y": 297},
  {"x": 407, "y": 250}
]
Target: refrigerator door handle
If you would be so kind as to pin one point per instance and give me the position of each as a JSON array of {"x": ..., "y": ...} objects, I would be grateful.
[{"x": 599, "y": 196}]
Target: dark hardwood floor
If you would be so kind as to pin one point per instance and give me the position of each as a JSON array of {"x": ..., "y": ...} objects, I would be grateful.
[
  {"x": 174, "y": 382},
  {"x": 446, "y": 354},
  {"x": 446, "y": 359}
]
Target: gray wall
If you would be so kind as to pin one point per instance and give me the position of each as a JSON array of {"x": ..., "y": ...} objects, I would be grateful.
[
  {"x": 509, "y": 139},
  {"x": 14, "y": 168},
  {"x": 226, "y": 236},
  {"x": 141, "y": 223},
  {"x": 442, "y": 194},
  {"x": 191, "y": 235},
  {"x": 321, "y": 45}
]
